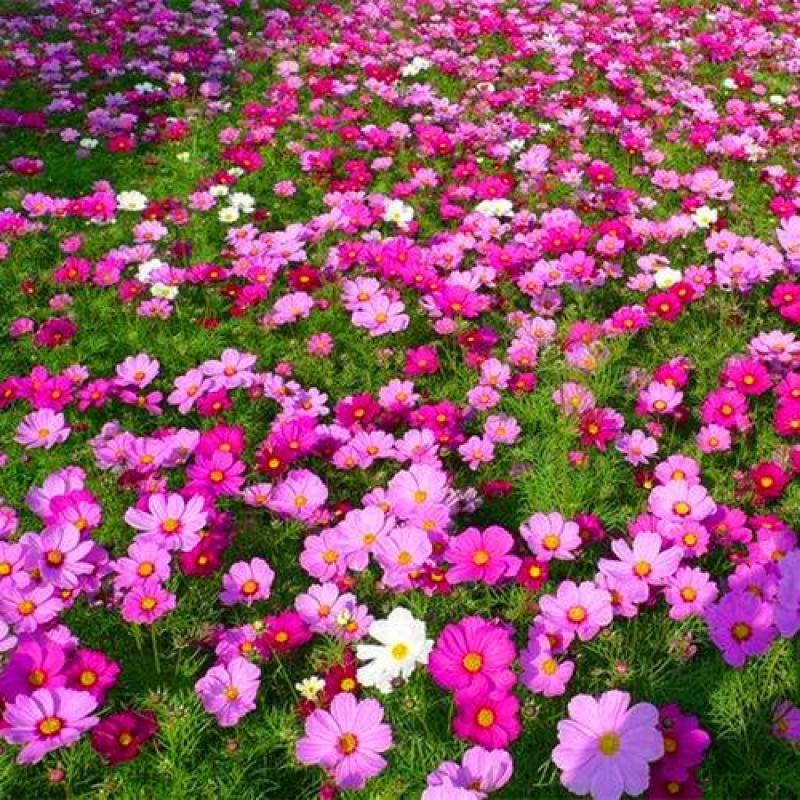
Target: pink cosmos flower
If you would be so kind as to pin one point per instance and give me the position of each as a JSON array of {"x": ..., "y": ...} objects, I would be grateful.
[
  {"x": 229, "y": 690},
  {"x": 605, "y": 747},
  {"x": 679, "y": 500},
  {"x": 47, "y": 720},
  {"x": 300, "y": 495},
  {"x": 401, "y": 552},
  {"x": 480, "y": 772},
  {"x": 740, "y": 625},
  {"x": 473, "y": 655},
  {"x": 543, "y": 673},
  {"x": 580, "y": 610},
  {"x": 489, "y": 719},
  {"x": 247, "y": 582},
  {"x": 551, "y": 536},
  {"x": 43, "y": 428},
  {"x": 347, "y": 740},
  {"x": 139, "y": 371},
  {"x": 644, "y": 560},
  {"x": 37, "y": 663},
  {"x": 147, "y": 602},
  {"x": 481, "y": 556},
  {"x": 145, "y": 559},
  {"x": 61, "y": 555},
  {"x": 419, "y": 485},
  {"x": 787, "y": 605},
  {"x": 689, "y": 592},
  {"x": 28, "y": 607},
  {"x": 170, "y": 521}
]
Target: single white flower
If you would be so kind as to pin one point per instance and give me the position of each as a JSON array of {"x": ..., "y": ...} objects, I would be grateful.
[
  {"x": 310, "y": 688},
  {"x": 164, "y": 290},
  {"x": 705, "y": 217},
  {"x": 402, "y": 646},
  {"x": 131, "y": 201},
  {"x": 398, "y": 212},
  {"x": 667, "y": 276},
  {"x": 219, "y": 190},
  {"x": 88, "y": 144},
  {"x": 228, "y": 214},
  {"x": 183, "y": 156},
  {"x": 246, "y": 203}
]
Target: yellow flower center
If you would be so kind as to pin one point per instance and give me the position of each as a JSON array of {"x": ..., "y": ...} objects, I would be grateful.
[
  {"x": 480, "y": 558},
  {"x": 400, "y": 651},
  {"x": 348, "y": 743},
  {"x": 472, "y": 662},
  {"x": 576, "y": 614},
  {"x": 609, "y": 744},
  {"x": 485, "y": 718},
  {"x": 741, "y": 631},
  {"x": 50, "y": 726}
]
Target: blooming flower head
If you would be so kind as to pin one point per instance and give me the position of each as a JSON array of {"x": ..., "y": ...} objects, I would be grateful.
[
  {"x": 347, "y": 740},
  {"x": 170, "y": 521},
  {"x": 489, "y": 719},
  {"x": 43, "y": 428},
  {"x": 580, "y": 610},
  {"x": 606, "y": 745},
  {"x": 481, "y": 556},
  {"x": 680, "y": 500},
  {"x": 229, "y": 690},
  {"x": 119, "y": 737},
  {"x": 47, "y": 720},
  {"x": 644, "y": 560},
  {"x": 551, "y": 536},
  {"x": 740, "y": 625},
  {"x": 247, "y": 582},
  {"x": 147, "y": 602},
  {"x": 473, "y": 655}
]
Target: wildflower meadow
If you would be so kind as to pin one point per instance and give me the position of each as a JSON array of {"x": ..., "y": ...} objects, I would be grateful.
[{"x": 399, "y": 399}]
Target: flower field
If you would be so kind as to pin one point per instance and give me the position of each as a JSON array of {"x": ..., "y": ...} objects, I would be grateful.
[{"x": 399, "y": 399}]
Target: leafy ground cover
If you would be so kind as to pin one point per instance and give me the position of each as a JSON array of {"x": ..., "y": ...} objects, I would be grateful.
[{"x": 421, "y": 365}]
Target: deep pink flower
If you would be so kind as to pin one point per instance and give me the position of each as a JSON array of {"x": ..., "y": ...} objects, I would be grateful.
[
  {"x": 481, "y": 556},
  {"x": 490, "y": 719},
  {"x": 473, "y": 655}
]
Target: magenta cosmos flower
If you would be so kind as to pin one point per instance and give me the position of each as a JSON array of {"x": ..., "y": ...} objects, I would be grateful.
[
  {"x": 605, "y": 748},
  {"x": 229, "y": 690},
  {"x": 481, "y": 556},
  {"x": 577, "y": 609},
  {"x": 490, "y": 719},
  {"x": 347, "y": 740},
  {"x": 46, "y": 720},
  {"x": 473, "y": 655}
]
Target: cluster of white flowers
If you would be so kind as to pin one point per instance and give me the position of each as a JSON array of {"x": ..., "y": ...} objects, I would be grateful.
[{"x": 239, "y": 203}]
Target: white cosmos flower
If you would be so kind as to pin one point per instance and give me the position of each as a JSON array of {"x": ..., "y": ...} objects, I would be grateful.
[
  {"x": 131, "y": 201},
  {"x": 667, "y": 276},
  {"x": 402, "y": 646},
  {"x": 147, "y": 268},
  {"x": 219, "y": 190},
  {"x": 495, "y": 208},
  {"x": 705, "y": 217},
  {"x": 398, "y": 212},
  {"x": 228, "y": 214},
  {"x": 164, "y": 290},
  {"x": 310, "y": 688}
]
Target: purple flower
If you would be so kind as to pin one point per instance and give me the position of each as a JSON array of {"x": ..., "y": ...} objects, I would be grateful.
[
  {"x": 740, "y": 625},
  {"x": 605, "y": 747},
  {"x": 229, "y": 690},
  {"x": 247, "y": 582},
  {"x": 347, "y": 740}
]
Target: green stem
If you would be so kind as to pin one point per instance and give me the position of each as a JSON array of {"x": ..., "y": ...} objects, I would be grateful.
[{"x": 154, "y": 642}]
